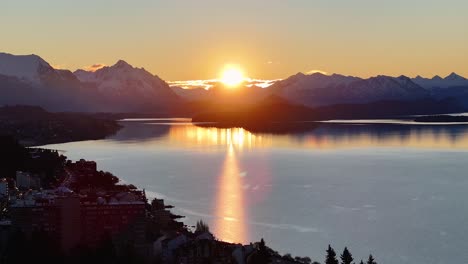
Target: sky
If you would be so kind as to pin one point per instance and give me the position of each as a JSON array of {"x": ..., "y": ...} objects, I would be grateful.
[{"x": 267, "y": 39}]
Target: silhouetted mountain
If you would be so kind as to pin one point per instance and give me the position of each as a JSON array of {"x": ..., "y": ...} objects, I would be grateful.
[
  {"x": 196, "y": 94},
  {"x": 277, "y": 110},
  {"x": 452, "y": 80},
  {"x": 271, "y": 109},
  {"x": 318, "y": 89}
]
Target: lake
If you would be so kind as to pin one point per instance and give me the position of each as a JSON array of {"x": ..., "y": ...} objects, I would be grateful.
[{"x": 393, "y": 189}]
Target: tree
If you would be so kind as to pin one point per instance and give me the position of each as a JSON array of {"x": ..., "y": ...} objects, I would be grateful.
[
  {"x": 361, "y": 262},
  {"x": 331, "y": 256},
  {"x": 202, "y": 227},
  {"x": 288, "y": 257},
  {"x": 265, "y": 256},
  {"x": 371, "y": 260},
  {"x": 303, "y": 260},
  {"x": 346, "y": 257}
]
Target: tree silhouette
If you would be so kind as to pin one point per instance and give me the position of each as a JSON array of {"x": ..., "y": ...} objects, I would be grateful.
[
  {"x": 346, "y": 257},
  {"x": 331, "y": 256},
  {"x": 371, "y": 260},
  {"x": 361, "y": 262},
  {"x": 201, "y": 227}
]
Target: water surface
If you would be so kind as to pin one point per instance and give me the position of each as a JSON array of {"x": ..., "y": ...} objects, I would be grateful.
[{"x": 396, "y": 190}]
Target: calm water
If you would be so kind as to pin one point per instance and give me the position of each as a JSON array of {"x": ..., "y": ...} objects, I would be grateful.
[{"x": 397, "y": 191}]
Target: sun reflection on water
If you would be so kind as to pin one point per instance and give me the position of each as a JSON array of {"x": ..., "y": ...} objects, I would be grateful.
[
  {"x": 230, "y": 203},
  {"x": 331, "y": 137},
  {"x": 239, "y": 138}
]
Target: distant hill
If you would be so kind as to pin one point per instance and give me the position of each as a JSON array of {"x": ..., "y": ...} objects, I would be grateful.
[
  {"x": 275, "y": 109},
  {"x": 33, "y": 125}
]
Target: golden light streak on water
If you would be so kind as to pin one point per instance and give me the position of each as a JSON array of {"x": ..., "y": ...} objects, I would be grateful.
[
  {"x": 241, "y": 139},
  {"x": 230, "y": 204}
]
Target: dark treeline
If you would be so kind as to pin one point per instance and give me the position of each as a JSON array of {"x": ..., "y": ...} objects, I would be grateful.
[
  {"x": 41, "y": 248},
  {"x": 14, "y": 157},
  {"x": 345, "y": 258},
  {"x": 34, "y": 126},
  {"x": 441, "y": 118}
]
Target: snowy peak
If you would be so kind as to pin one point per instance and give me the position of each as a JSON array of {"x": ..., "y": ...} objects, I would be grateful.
[
  {"x": 27, "y": 68},
  {"x": 301, "y": 81},
  {"x": 122, "y": 79},
  {"x": 319, "y": 89}
]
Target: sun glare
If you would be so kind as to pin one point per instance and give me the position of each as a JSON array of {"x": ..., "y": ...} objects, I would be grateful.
[{"x": 232, "y": 76}]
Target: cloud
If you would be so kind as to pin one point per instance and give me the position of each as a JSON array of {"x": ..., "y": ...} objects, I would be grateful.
[
  {"x": 193, "y": 84},
  {"x": 317, "y": 71},
  {"x": 95, "y": 67},
  {"x": 59, "y": 66},
  {"x": 208, "y": 84}
]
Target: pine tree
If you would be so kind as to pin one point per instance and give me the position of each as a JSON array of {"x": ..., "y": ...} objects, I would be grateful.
[
  {"x": 362, "y": 262},
  {"x": 346, "y": 257},
  {"x": 331, "y": 256},
  {"x": 201, "y": 227},
  {"x": 371, "y": 260}
]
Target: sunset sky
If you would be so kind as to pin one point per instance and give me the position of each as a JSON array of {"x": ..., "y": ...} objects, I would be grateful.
[{"x": 268, "y": 39}]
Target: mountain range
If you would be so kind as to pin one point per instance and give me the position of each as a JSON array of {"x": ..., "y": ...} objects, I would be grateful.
[
  {"x": 122, "y": 88},
  {"x": 30, "y": 80}
]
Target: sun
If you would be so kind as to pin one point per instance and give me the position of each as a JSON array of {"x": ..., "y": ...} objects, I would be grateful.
[{"x": 232, "y": 76}]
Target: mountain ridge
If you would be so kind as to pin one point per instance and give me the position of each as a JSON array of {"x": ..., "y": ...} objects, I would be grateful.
[{"x": 30, "y": 80}]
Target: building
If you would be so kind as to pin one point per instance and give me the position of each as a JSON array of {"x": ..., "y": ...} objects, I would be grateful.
[
  {"x": 25, "y": 181},
  {"x": 73, "y": 220},
  {"x": 124, "y": 220},
  {"x": 4, "y": 194},
  {"x": 162, "y": 216}
]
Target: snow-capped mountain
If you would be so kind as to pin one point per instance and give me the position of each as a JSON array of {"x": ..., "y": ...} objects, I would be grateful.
[
  {"x": 26, "y": 68},
  {"x": 452, "y": 80},
  {"x": 319, "y": 89},
  {"x": 31, "y": 80},
  {"x": 128, "y": 88},
  {"x": 301, "y": 82},
  {"x": 122, "y": 78},
  {"x": 32, "y": 69}
]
